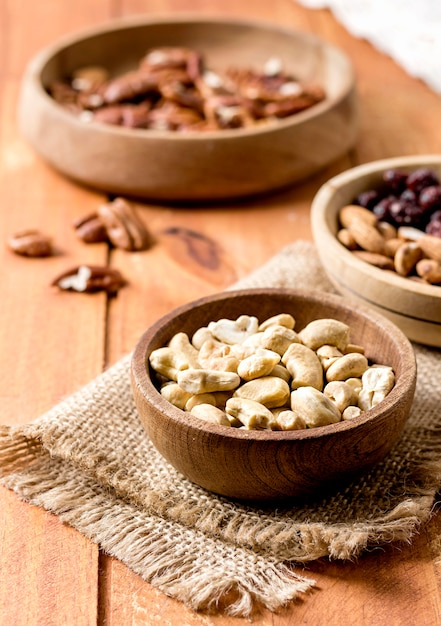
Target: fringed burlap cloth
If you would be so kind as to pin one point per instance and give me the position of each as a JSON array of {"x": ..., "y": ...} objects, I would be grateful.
[{"x": 89, "y": 461}]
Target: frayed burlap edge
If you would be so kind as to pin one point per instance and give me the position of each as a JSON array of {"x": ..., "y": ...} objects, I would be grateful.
[
  {"x": 22, "y": 455},
  {"x": 154, "y": 547}
]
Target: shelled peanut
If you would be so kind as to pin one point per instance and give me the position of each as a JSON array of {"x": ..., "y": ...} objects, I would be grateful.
[
  {"x": 250, "y": 375},
  {"x": 397, "y": 226}
]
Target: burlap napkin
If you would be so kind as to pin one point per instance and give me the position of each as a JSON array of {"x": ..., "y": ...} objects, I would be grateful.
[{"x": 89, "y": 461}]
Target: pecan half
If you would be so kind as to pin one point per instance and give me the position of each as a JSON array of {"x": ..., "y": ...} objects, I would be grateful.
[
  {"x": 141, "y": 97},
  {"x": 91, "y": 229},
  {"x": 63, "y": 93},
  {"x": 109, "y": 115},
  {"x": 130, "y": 115},
  {"x": 129, "y": 86},
  {"x": 173, "y": 57},
  {"x": 227, "y": 111},
  {"x": 124, "y": 228},
  {"x": 172, "y": 116},
  {"x": 89, "y": 77},
  {"x": 289, "y": 106},
  {"x": 179, "y": 92},
  {"x": 90, "y": 279},
  {"x": 137, "y": 115},
  {"x": 30, "y": 243}
]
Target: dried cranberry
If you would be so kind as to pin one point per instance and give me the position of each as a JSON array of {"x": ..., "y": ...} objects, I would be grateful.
[
  {"x": 409, "y": 196},
  {"x": 406, "y": 213},
  {"x": 434, "y": 229},
  {"x": 395, "y": 180},
  {"x": 421, "y": 178},
  {"x": 434, "y": 225},
  {"x": 430, "y": 197},
  {"x": 368, "y": 199},
  {"x": 406, "y": 199},
  {"x": 382, "y": 209}
]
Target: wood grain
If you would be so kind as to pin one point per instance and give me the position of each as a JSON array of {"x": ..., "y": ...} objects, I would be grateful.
[
  {"x": 51, "y": 576},
  {"x": 59, "y": 569},
  {"x": 50, "y": 572}
]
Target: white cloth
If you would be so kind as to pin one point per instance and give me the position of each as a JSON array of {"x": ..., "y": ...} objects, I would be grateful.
[{"x": 409, "y": 31}]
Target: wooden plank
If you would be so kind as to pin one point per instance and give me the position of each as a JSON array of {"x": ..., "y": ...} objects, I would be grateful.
[
  {"x": 49, "y": 571},
  {"x": 51, "y": 343},
  {"x": 197, "y": 251},
  {"x": 22, "y": 39},
  {"x": 38, "y": 197},
  {"x": 405, "y": 591},
  {"x": 40, "y": 326},
  {"x": 362, "y": 593}
]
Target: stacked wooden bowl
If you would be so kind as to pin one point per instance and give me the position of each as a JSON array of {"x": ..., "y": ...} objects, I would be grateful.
[{"x": 413, "y": 306}]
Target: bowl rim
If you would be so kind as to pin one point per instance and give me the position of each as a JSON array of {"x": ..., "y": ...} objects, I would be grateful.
[
  {"x": 321, "y": 230},
  {"x": 38, "y": 63},
  {"x": 145, "y": 386}
]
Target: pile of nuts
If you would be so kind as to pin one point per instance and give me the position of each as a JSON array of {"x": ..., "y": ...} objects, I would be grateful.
[
  {"x": 172, "y": 89},
  {"x": 250, "y": 375},
  {"x": 397, "y": 227},
  {"x": 115, "y": 223}
]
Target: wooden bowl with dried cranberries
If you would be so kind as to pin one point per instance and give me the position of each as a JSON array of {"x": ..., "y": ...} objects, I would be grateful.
[{"x": 377, "y": 229}]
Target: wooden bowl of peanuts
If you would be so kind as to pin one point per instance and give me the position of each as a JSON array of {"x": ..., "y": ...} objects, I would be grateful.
[
  {"x": 377, "y": 229},
  {"x": 189, "y": 108},
  {"x": 264, "y": 394}
]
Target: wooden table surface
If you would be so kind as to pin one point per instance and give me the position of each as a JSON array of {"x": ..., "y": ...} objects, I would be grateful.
[{"x": 52, "y": 343}]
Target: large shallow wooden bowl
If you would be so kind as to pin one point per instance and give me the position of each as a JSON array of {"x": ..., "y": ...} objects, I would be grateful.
[
  {"x": 414, "y": 307},
  {"x": 172, "y": 166},
  {"x": 265, "y": 465}
]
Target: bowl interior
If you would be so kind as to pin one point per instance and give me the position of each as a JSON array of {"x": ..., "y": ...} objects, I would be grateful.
[
  {"x": 223, "y": 43},
  {"x": 383, "y": 343}
]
